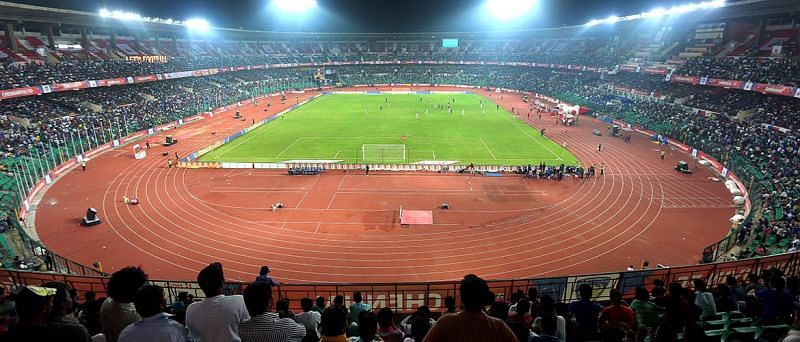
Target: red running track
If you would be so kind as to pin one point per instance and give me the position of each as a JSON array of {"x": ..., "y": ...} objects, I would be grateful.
[{"x": 343, "y": 227}]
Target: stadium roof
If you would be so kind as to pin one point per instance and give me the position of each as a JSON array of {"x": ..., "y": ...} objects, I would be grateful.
[{"x": 22, "y": 13}]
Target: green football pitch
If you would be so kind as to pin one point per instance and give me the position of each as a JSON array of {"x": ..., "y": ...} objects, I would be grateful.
[{"x": 359, "y": 128}]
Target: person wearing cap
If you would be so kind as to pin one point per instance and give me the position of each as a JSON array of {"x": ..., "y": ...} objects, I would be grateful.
[
  {"x": 33, "y": 305},
  {"x": 61, "y": 318},
  {"x": 472, "y": 323},
  {"x": 217, "y": 317},
  {"x": 263, "y": 275},
  {"x": 155, "y": 325}
]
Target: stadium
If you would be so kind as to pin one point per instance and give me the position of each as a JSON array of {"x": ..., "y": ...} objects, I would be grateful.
[{"x": 551, "y": 171}]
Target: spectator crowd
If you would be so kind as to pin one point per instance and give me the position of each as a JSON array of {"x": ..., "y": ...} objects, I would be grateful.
[{"x": 763, "y": 306}]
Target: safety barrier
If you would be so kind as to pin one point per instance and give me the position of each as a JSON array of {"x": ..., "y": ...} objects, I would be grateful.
[{"x": 406, "y": 297}]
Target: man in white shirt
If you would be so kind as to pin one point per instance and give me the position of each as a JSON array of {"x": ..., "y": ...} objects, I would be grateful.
[
  {"x": 266, "y": 326},
  {"x": 155, "y": 325},
  {"x": 217, "y": 317},
  {"x": 309, "y": 318}
]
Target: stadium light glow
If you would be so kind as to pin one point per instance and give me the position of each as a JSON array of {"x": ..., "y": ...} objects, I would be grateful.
[
  {"x": 294, "y": 5},
  {"x": 121, "y": 15},
  {"x": 197, "y": 25},
  {"x": 508, "y": 9},
  {"x": 661, "y": 12}
]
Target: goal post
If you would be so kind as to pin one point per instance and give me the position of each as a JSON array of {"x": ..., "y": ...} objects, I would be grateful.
[{"x": 383, "y": 152}]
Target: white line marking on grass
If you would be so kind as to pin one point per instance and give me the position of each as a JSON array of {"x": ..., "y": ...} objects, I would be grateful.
[
  {"x": 288, "y": 147},
  {"x": 233, "y": 146},
  {"x": 530, "y": 136},
  {"x": 487, "y": 148}
]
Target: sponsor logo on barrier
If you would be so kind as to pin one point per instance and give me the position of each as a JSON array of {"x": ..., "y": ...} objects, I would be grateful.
[{"x": 27, "y": 91}]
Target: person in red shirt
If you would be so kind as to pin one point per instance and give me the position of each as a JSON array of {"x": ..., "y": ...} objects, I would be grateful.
[{"x": 618, "y": 315}]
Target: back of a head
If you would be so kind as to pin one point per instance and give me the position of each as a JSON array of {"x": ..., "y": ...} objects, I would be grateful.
[
  {"x": 533, "y": 293},
  {"x": 523, "y": 307},
  {"x": 29, "y": 304},
  {"x": 642, "y": 294},
  {"x": 257, "y": 297},
  {"x": 149, "y": 300},
  {"x": 474, "y": 292},
  {"x": 334, "y": 320},
  {"x": 616, "y": 296},
  {"x": 306, "y": 304},
  {"x": 357, "y": 297},
  {"x": 385, "y": 316},
  {"x": 499, "y": 310},
  {"x": 699, "y": 284},
  {"x": 420, "y": 328},
  {"x": 89, "y": 295},
  {"x": 450, "y": 302},
  {"x": 548, "y": 305},
  {"x": 320, "y": 302},
  {"x": 367, "y": 325},
  {"x": 777, "y": 282},
  {"x": 124, "y": 284},
  {"x": 730, "y": 280},
  {"x": 675, "y": 290},
  {"x": 263, "y": 271},
  {"x": 549, "y": 324},
  {"x": 585, "y": 291},
  {"x": 282, "y": 305},
  {"x": 338, "y": 300},
  {"x": 211, "y": 279}
]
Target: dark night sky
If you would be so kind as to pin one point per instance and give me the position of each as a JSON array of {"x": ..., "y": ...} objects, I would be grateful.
[{"x": 369, "y": 15}]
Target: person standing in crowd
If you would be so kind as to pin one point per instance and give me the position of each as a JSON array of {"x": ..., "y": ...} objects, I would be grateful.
[
  {"x": 386, "y": 328},
  {"x": 357, "y": 307},
  {"x": 646, "y": 311},
  {"x": 334, "y": 324},
  {"x": 704, "y": 299},
  {"x": 471, "y": 324},
  {"x": 33, "y": 305},
  {"x": 263, "y": 275},
  {"x": 319, "y": 305},
  {"x": 585, "y": 312},
  {"x": 309, "y": 318},
  {"x": 62, "y": 319},
  {"x": 217, "y": 317},
  {"x": 118, "y": 309},
  {"x": 264, "y": 325},
  {"x": 618, "y": 315},
  {"x": 155, "y": 325}
]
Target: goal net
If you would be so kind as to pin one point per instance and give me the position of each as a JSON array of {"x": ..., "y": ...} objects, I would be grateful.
[{"x": 383, "y": 152}]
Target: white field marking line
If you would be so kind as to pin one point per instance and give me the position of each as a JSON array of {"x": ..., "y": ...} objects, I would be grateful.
[
  {"x": 288, "y": 147},
  {"x": 316, "y": 231},
  {"x": 487, "y": 148},
  {"x": 282, "y": 226},
  {"x": 232, "y": 146},
  {"x": 511, "y": 120},
  {"x": 336, "y": 191},
  {"x": 310, "y": 187}
]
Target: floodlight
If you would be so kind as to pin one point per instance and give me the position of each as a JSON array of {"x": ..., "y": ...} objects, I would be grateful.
[
  {"x": 294, "y": 5},
  {"x": 508, "y": 9},
  {"x": 121, "y": 15},
  {"x": 197, "y": 24}
]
